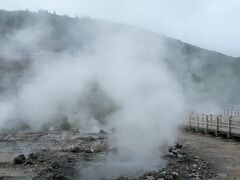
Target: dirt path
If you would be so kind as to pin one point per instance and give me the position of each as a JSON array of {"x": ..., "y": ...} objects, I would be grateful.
[{"x": 223, "y": 153}]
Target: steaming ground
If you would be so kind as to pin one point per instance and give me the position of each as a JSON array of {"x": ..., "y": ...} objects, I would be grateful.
[
  {"x": 64, "y": 73},
  {"x": 74, "y": 155},
  {"x": 125, "y": 88},
  {"x": 119, "y": 82}
]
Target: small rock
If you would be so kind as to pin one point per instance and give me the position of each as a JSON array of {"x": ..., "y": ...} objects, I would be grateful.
[
  {"x": 179, "y": 155},
  {"x": 91, "y": 150},
  {"x": 32, "y": 156},
  {"x": 194, "y": 165},
  {"x": 70, "y": 159},
  {"x": 149, "y": 178},
  {"x": 196, "y": 157},
  {"x": 29, "y": 162},
  {"x": 193, "y": 175},
  {"x": 121, "y": 178},
  {"x": 178, "y": 145},
  {"x": 75, "y": 149},
  {"x": 171, "y": 149},
  {"x": 102, "y": 132},
  {"x": 168, "y": 177},
  {"x": 75, "y": 131},
  {"x": 55, "y": 165},
  {"x": 175, "y": 175},
  {"x": 20, "y": 159},
  {"x": 59, "y": 177},
  {"x": 161, "y": 174},
  {"x": 9, "y": 137},
  {"x": 172, "y": 155}
]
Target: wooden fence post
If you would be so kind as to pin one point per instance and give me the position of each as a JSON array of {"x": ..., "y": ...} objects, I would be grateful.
[
  {"x": 217, "y": 126},
  {"x": 211, "y": 120},
  {"x": 197, "y": 123},
  {"x": 220, "y": 122},
  {"x": 189, "y": 121},
  {"x": 229, "y": 127},
  {"x": 206, "y": 124}
]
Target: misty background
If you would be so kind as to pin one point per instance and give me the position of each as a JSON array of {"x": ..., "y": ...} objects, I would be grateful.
[{"x": 211, "y": 24}]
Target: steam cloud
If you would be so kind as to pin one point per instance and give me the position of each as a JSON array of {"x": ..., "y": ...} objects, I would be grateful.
[{"x": 118, "y": 81}]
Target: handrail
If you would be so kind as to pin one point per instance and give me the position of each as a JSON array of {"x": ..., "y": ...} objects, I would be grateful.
[{"x": 227, "y": 123}]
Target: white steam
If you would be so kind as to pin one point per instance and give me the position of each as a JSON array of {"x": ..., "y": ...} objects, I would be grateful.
[{"x": 119, "y": 82}]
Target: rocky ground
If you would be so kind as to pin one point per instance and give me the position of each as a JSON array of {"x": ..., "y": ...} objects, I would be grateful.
[
  {"x": 219, "y": 151},
  {"x": 183, "y": 163},
  {"x": 57, "y": 155},
  {"x": 51, "y": 155}
]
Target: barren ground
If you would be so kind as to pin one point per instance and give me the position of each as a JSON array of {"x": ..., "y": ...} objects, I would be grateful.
[
  {"x": 58, "y": 156},
  {"x": 222, "y": 153}
]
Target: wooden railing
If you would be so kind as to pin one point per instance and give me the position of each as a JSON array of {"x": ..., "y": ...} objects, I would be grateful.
[{"x": 227, "y": 123}]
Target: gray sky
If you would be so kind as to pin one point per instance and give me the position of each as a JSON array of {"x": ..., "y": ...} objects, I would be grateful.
[{"x": 211, "y": 24}]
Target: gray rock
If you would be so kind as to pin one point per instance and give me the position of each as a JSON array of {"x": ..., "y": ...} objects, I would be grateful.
[
  {"x": 75, "y": 149},
  {"x": 178, "y": 145},
  {"x": 149, "y": 178},
  {"x": 20, "y": 159},
  {"x": 175, "y": 175},
  {"x": 55, "y": 165},
  {"x": 33, "y": 156},
  {"x": 168, "y": 177},
  {"x": 102, "y": 132},
  {"x": 195, "y": 165},
  {"x": 59, "y": 177}
]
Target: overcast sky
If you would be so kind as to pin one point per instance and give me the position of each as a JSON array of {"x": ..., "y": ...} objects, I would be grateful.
[{"x": 211, "y": 24}]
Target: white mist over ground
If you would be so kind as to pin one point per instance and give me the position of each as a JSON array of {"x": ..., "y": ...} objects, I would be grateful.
[{"x": 118, "y": 82}]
